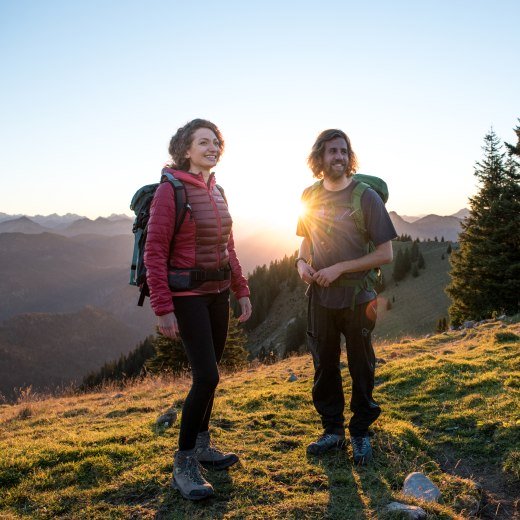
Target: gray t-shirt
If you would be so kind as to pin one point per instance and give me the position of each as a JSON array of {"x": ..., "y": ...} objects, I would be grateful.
[{"x": 329, "y": 225}]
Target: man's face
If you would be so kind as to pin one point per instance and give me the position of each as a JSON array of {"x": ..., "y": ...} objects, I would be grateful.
[{"x": 335, "y": 158}]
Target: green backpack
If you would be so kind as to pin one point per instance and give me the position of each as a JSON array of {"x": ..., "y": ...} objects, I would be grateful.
[{"x": 374, "y": 276}]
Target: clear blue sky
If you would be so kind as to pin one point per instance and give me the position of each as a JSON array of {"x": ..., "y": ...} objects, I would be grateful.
[{"x": 91, "y": 92}]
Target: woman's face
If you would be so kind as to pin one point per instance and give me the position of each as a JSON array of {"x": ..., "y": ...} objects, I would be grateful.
[{"x": 204, "y": 151}]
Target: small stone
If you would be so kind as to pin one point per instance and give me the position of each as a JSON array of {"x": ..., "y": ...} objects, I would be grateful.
[
  {"x": 167, "y": 418},
  {"x": 420, "y": 486},
  {"x": 118, "y": 396},
  {"x": 292, "y": 378},
  {"x": 413, "y": 512},
  {"x": 380, "y": 361},
  {"x": 503, "y": 317},
  {"x": 468, "y": 324},
  {"x": 467, "y": 504}
]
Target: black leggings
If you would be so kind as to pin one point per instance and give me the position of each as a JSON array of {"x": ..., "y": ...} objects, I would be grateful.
[{"x": 203, "y": 324}]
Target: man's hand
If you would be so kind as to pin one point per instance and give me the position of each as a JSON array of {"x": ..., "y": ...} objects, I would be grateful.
[
  {"x": 305, "y": 271},
  {"x": 327, "y": 275},
  {"x": 168, "y": 325},
  {"x": 247, "y": 309}
]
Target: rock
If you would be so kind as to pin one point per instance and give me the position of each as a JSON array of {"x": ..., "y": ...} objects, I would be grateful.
[
  {"x": 467, "y": 505},
  {"x": 468, "y": 324},
  {"x": 167, "y": 418},
  {"x": 426, "y": 337},
  {"x": 118, "y": 396},
  {"x": 292, "y": 378},
  {"x": 420, "y": 486},
  {"x": 380, "y": 361},
  {"x": 414, "y": 512},
  {"x": 503, "y": 317}
]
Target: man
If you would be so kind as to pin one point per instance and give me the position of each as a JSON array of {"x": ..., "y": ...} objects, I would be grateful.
[{"x": 335, "y": 262}]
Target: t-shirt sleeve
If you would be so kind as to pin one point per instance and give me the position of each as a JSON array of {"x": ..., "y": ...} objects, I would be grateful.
[
  {"x": 377, "y": 220},
  {"x": 302, "y": 227}
]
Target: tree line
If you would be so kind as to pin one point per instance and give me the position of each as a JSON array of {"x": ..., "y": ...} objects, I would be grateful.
[{"x": 485, "y": 274}]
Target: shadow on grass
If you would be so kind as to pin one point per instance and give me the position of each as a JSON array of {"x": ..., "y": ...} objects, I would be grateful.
[{"x": 354, "y": 492}]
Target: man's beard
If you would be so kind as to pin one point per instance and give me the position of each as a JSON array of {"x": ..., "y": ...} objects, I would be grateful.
[{"x": 333, "y": 174}]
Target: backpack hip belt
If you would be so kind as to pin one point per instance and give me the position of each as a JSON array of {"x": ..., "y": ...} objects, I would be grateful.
[{"x": 187, "y": 279}]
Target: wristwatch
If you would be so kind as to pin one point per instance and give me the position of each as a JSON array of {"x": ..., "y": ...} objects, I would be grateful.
[{"x": 297, "y": 260}]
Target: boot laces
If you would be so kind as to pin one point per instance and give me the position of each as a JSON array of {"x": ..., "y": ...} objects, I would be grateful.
[
  {"x": 359, "y": 443},
  {"x": 194, "y": 470}
]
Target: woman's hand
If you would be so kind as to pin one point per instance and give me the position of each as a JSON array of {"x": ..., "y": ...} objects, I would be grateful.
[
  {"x": 168, "y": 325},
  {"x": 245, "y": 305}
]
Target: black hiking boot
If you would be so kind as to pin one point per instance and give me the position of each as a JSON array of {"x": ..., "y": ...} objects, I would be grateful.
[{"x": 362, "y": 450}]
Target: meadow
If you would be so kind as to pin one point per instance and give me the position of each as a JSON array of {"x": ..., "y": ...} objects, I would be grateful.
[{"x": 451, "y": 410}]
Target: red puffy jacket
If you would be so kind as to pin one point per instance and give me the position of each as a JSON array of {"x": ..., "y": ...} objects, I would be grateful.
[{"x": 205, "y": 240}]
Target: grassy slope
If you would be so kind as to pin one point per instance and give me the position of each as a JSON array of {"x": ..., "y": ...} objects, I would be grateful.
[
  {"x": 419, "y": 302},
  {"x": 98, "y": 456}
]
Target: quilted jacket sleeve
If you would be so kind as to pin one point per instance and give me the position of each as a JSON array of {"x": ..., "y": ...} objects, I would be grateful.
[
  {"x": 157, "y": 250},
  {"x": 238, "y": 282}
]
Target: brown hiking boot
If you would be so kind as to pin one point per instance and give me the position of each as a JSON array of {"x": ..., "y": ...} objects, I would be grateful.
[
  {"x": 210, "y": 456},
  {"x": 187, "y": 477}
]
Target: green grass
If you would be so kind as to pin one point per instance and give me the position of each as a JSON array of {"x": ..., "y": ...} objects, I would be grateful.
[
  {"x": 419, "y": 302},
  {"x": 96, "y": 456}
]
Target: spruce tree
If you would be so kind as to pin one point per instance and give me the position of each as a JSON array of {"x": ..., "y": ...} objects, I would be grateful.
[
  {"x": 414, "y": 256},
  {"x": 170, "y": 355},
  {"x": 514, "y": 150},
  {"x": 235, "y": 353},
  {"x": 485, "y": 275},
  {"x": 399, "y": 272},
  {"x": 420, "y": 261}
]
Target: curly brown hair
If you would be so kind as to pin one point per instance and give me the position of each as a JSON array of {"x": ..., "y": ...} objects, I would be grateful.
[
  {"x": 181, "y": 141},
  {"x": 315, "y": 159}
]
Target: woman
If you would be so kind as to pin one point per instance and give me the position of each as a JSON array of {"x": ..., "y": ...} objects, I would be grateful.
[{"x": 196, "y": 310}]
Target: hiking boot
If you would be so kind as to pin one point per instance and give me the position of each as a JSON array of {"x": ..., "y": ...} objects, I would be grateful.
[
  {"x": 211, "y": 457},
  {"x": 326, "y": 442},
  {"x": 362, "y": 450},
  {"x": 187, "y": 477}
]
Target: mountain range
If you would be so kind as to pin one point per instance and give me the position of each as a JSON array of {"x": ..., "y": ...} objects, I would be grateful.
[
  {"x": 256, "y": 243},
  {"x": 76, "y": 273}
]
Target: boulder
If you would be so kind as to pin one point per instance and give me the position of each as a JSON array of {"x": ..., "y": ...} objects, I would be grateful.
[
  {"x": 413, "y": 512},
  {"x": 420, "y": 486}
]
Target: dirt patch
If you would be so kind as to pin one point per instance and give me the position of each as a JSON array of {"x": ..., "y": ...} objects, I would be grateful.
[{"x": 500, "y": 496}]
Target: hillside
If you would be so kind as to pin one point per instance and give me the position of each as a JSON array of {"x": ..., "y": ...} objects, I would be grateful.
[
  {"x": 419, "y": 302},
  {"x": 451, "y": 407},
  {"x": 48, "y": 350}
]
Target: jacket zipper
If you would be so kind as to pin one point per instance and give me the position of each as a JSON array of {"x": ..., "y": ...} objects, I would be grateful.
[{"x": 219, "y": 223}]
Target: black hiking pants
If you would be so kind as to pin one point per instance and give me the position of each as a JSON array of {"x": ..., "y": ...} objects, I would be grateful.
[
  {"x": 203, "y": 325},
  {"x": 325, "y": 327}
]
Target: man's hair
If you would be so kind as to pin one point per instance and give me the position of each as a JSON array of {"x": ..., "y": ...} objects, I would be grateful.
[
  {"x": 181, "y": 141},
  {"x": 315, "y": 159}
]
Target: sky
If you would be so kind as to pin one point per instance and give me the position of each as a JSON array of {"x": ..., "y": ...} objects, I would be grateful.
[{"x": 92, "y": 91}]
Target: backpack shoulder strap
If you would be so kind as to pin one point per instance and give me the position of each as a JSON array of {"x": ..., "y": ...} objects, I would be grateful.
[
  {"x": 357, "y": 213},
  {"x": 181, "y": 200},
  {"x": 221, "y": 189}
]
